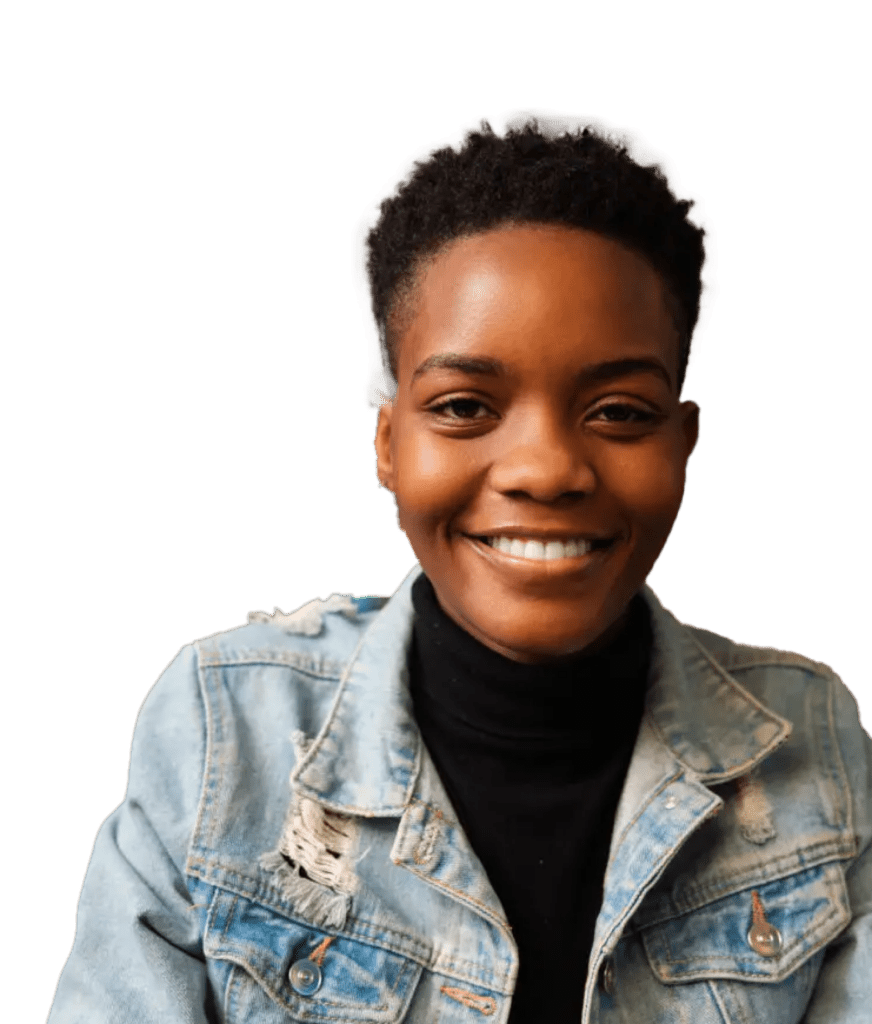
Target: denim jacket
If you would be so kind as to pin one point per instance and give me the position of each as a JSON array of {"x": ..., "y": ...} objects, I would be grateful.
[{"x": 287, "y": 852}]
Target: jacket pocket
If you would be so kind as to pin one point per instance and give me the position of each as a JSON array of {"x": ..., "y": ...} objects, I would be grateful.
[
  {"x": 759, "y": 934},
  {"x": 289, "y": 970}
]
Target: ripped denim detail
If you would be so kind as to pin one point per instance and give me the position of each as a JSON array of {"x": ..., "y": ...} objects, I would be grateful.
[
  {"x": 753, "y": 810},
  {"x": 312, "y": 865},
  {"x": 308, "y": 620}
]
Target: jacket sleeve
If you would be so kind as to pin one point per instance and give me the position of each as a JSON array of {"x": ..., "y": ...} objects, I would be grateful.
[
  {"x": 843, "y": 993},
  {"x": 137, "y": 954}
]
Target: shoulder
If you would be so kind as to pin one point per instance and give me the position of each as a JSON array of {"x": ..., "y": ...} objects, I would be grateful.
[
  {"x": 739, "y": 657},
  {"x": 320, "y": 636},
  {"x": 783, "y": 680}
]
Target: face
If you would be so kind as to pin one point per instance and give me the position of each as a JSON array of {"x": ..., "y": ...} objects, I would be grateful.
[{"x": 537, "y": 414}]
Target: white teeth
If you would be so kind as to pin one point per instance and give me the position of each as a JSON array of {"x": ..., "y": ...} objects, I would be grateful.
[{"x": 539, "y": 551}]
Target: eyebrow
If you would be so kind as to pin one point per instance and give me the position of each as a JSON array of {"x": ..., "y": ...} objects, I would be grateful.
[{"x": 489, "y": 367}]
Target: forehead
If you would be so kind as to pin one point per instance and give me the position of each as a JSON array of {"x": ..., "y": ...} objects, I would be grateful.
[{"x": 540, "y": 291}]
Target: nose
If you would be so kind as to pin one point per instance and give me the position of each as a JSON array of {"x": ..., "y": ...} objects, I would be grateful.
[{"x": 545, "y": 460}]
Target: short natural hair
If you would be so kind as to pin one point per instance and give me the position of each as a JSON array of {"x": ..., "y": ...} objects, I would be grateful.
[{"x": 577, "y": 179}]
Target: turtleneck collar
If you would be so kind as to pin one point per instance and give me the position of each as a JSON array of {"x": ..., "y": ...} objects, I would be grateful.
[{"x": 586, "y": 700}]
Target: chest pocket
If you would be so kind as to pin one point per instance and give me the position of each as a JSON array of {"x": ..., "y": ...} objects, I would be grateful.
[
  {"x": 288, "y": 970},
  {"x": 760, "y": 934}
]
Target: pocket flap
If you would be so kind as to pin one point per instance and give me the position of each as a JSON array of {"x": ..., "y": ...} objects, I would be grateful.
[
  {"x": 808, "y": 908},
  {"x": 355, "y": 981}
]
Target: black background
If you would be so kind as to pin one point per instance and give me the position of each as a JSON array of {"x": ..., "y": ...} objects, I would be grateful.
[{"x": 211, "y": 453}]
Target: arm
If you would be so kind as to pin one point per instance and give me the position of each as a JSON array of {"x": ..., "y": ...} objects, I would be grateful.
[
  {"x": 137, "y": 954},
  {"x": 843, "y": 993}
]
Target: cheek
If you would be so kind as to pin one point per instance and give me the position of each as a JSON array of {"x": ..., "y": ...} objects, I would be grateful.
[
  {"x": 649, "y": 484},
  {"x": 433, "y": 478}
]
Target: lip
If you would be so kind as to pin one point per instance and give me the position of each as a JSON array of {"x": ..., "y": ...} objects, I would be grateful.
[{"x": 528, "y": 568}]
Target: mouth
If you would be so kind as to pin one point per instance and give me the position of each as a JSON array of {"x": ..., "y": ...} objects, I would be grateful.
[
  {"x": 552, "y": 550},
  {"x": 540, "y": 562}
]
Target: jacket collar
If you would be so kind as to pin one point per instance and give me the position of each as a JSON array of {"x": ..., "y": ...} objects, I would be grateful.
[{"x": 367, "y": 757}]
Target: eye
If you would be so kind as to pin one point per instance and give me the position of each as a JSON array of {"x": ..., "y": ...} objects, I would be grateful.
[
  {"x": 622, "y": 412},
  {"x": 461, "y": 409}
]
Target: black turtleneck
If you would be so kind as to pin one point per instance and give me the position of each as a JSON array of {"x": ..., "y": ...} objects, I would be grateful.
[{"x": 533, "y": 757}]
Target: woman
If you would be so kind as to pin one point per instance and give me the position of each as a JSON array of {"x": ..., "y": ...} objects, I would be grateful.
[{"x": 519, "y": 788}]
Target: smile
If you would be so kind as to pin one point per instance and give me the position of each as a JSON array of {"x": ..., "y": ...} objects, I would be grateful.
[
  {"x": 540, "y": 551},
  {"x": 570, "y": 552}
]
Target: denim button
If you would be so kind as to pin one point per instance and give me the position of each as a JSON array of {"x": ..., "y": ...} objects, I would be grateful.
[
  {"x": 305, "y": 977},
  {"x": 765, "y": 939},
  {"x": 607, "y": 977}
]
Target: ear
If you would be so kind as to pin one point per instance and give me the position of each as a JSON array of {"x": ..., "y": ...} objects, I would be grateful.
[
  {"x": 690, "y": 425},
  {"x": 384, "y": 460}
]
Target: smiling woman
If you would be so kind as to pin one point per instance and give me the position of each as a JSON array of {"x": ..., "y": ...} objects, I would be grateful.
[{"x": 519, "y": 787}]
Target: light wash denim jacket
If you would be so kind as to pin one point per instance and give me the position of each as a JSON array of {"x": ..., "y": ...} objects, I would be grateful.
[{"x": 738, "y": 887}]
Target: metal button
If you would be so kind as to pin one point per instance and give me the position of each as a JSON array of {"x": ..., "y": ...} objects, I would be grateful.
[
  {"x": 765, "y": 939},
  {"x": 607, "y": 977},
  {"x": 305, "y": 977},
  {"x": 671, "y": 803}
]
